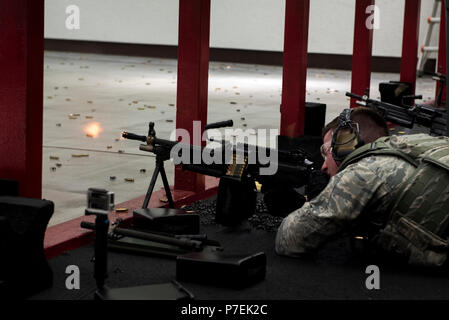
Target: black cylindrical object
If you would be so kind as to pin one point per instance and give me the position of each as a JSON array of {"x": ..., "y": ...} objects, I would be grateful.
[
  {"x": 220, "y": 124},
  {"x": 182, "y": 243},
  {"x": 87, "y": 225},
  {"x": 133, "y": 136},
  {"x": 210, "y": 170},
  {"x": 101, "y": 249}
]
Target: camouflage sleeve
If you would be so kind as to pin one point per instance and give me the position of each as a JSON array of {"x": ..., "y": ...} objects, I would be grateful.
[{"x": 329, "y": 213}]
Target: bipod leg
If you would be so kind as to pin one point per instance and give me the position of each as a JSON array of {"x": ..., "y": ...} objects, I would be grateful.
[
  {"x": 166, "y": 187},
  {"x": 159, "y": 164}
]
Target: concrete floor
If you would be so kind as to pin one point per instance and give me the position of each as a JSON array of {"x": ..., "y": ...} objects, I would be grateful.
[{"x": 125, "y": 93}]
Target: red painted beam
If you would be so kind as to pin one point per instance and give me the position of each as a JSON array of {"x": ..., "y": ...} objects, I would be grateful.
[
  {"x": 362, "y": 49},
  {"x": 193, "y": 73},
  {"x": 410, "y": 38},
  {"x": 21, "y": 93},
  {"x": 294, "y": 72},
  {"x": 441, "y": 63}
]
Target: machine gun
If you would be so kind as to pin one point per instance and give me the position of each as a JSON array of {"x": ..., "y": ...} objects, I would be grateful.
[
  {"x": 236, "y": 198},
  {"x": 407, "y": 116},
  {"x": 292, "y": 165}
]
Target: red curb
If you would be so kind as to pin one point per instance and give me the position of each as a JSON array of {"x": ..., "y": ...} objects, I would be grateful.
[{"x": 69, "y": 235}]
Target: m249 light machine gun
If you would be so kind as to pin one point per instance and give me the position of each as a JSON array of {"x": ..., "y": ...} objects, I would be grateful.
[
  {"x": 421, "y": 114},
  {"x": 236, "y": 199}
]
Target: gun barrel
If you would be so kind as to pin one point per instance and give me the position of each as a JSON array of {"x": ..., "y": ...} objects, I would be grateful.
[
  {"x": 399, "y": 121},
  {"x": 133, "y": 136},
  {"x": 180, "y": 242},
  {"x": 374, "y": 102},
  {"x": 209, "y": 170},
  {"x": 220, "y": 124},
  {"x": 87, "y": 225},
  {"x": 352, "y": 95},
  {"x": 183, "y": 243}
]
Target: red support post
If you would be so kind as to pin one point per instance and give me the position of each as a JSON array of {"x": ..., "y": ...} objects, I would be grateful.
[
  {"x": 441, "y": 63},
  {"x": 21, "y": 93},
  {"x": 362, "y": 49},
  {"x": 410, "y": 39},
  {"x": 193, "y": 72},
  {"x": 294, "y": 67}
]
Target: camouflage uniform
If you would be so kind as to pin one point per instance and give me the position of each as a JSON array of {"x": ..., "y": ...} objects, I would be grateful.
[{"x": 367, "y": 187}]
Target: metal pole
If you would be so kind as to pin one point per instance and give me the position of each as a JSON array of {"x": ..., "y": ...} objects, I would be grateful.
[
  {"x": 447, "y": 69},
  {"x": 21, "y": 93},
  {"x": 362, "y": 50},
  {"x": 441, "y": 63},
  {"x": 193, "y": 72},
  {"x": 294, "y": 71},
  {"x": 409, "y": 59}
]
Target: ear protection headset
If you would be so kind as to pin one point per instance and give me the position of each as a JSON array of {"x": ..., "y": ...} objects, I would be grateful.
[{"x": 346, "y": 137}]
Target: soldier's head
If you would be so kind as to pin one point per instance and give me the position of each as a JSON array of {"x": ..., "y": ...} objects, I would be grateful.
[{"x": 371, "y": 126}]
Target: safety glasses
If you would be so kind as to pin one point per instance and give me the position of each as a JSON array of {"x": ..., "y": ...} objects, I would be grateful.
[{"x": 325, "y": 148}]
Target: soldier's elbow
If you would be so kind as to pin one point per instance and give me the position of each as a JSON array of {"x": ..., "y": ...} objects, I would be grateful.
[
  {"x": 279, "y": 249},
  {"x": 288, "y": 248},
  {"x": 283, "y": 249}
]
